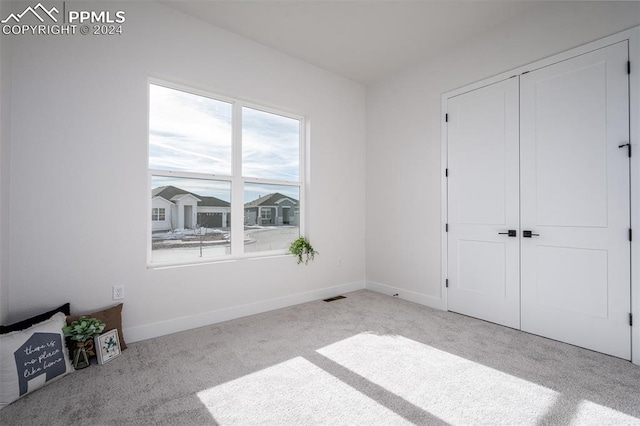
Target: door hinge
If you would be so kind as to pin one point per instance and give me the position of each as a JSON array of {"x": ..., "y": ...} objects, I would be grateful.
[
  {"x": 630, "y": 235},
  {"x": 628, "y": 67},
  {"x": 446, "y": 283},
  {"x": 630, "y": 318},
  {"x": 628, "y": 145},
  {"x": 446, "y": 118},
  {"x": 446, "y": 227},
  {"x": 446, "y": 172}
]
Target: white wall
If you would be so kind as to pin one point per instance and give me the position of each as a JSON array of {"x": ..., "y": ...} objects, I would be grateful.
[
  {"x": 4, "y": 194},
  {"x": 5, "y": 134},
  {"x": 403, "y": 127},
  {"x": 79, "y": 147}
]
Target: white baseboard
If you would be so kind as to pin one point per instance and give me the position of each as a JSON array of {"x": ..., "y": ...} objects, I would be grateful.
[
  {"x": 162, "y": 328},
  {"x": 412, "y": 296}
]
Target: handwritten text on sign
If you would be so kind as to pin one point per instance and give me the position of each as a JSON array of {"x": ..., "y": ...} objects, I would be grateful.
[{"x": 42, "y": 353}]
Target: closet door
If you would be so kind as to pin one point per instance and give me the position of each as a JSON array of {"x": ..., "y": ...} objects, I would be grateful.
[
  {"x": 483, "y": 260},
  {"x": 575, "y": 201}
]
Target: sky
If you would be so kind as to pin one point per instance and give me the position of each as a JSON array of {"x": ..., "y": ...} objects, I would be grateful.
[{"x": 192, "y": 133}]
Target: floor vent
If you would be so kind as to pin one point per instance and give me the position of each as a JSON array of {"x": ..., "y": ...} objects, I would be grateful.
[{"x": 331, "y": 299}]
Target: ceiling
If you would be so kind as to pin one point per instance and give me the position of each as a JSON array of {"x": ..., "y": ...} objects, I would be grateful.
[{"x": 363, "y": 40}]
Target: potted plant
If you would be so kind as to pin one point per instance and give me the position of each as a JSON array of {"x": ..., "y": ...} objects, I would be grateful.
[
  {"x": 303, "y": 250},
  {"x": 82, "y": 332}
]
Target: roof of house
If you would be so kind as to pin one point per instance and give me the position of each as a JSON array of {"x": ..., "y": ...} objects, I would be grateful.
[
  {"x": 169, "y": 192},
  {"x": 181, "y": 196},
  {"x": 269, "y": 200}
]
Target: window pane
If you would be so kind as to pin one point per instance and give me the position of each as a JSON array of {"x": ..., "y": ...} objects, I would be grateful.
[
  {"x": 270, "y": 146},
  {"x": 191, "y": 218},
  {"x": 271, "y": 217},
  {"x": 189, "y": 132},
  {"x": 157, "y": 214}
]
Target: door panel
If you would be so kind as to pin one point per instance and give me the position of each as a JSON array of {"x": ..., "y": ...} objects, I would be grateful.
[
  {"x": 564, "y": 272},
  {"x": 571, "y": 145},
  {"x": 483, "y": 201},
  {"x": 575, "y": 276},
  {"x": 478, "y": 154},
  {"x": 482, "y": 259}
]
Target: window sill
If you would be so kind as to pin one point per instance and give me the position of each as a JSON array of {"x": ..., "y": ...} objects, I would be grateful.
[{"x": 225, "y": 259}]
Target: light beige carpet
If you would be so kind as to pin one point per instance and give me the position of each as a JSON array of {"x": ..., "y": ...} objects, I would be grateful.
[{"x": 368, "y": 359}]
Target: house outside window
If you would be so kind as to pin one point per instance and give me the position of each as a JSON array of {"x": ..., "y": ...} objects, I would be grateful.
[{"x": 224, "y": 175}]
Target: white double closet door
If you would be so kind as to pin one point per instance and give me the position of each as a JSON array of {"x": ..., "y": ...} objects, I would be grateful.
[{"x": 538, "y": 202}]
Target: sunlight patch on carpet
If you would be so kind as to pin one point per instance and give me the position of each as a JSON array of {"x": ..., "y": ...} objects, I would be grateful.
[
  {"x": 293, "y": 392},
  {"x": 455, "y": 389},
  {"x": 591, "y": 413}
]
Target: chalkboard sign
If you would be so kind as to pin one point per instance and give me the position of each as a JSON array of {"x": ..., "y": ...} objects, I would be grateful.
[{"x": 42, "y": 353}]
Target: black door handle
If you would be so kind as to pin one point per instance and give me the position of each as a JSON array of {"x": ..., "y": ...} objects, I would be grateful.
[
  {"x": 510, "y": 232},
  {"x": 529, "y": 234}
]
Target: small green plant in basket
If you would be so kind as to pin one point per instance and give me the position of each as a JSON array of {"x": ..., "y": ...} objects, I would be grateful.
[
  {"x": 303, "y": 250},
  {"x": 83, "y": 329},
  {"x": 82, "y": 333}
]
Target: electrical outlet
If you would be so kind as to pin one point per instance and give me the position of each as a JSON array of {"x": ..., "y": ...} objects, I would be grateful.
[{"x": 118, "y": 292}]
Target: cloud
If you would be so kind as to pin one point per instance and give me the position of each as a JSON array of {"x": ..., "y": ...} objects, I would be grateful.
[
  {"x": 189, "y": 132},
  {"x": 193, "y": 133},
  {"x": 270, "y": 146}
]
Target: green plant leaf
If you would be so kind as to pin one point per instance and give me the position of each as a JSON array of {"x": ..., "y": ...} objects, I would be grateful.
[
  {"x": 84, "y": 328},
  {"x": 303, "y": 250}
]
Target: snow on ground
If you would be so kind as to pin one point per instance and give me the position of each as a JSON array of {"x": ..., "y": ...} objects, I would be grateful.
[
  {"x": 257, "y": 238},
  {"x": 180, "y": 233}
]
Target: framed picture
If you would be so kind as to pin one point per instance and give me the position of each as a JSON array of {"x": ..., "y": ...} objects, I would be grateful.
[{"x": 107, "y": 346}]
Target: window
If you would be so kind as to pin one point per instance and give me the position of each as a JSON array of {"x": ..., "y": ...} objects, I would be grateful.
[
  {"x": 157, "y": 214},
  {"x": 226, "y": 176}
]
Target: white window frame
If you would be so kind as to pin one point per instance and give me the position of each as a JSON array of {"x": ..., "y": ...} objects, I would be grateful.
[
  {"x": 265, "y": 213},
  {"x": 155, "y": 214},
  {"x": 236, "y": 179}
]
